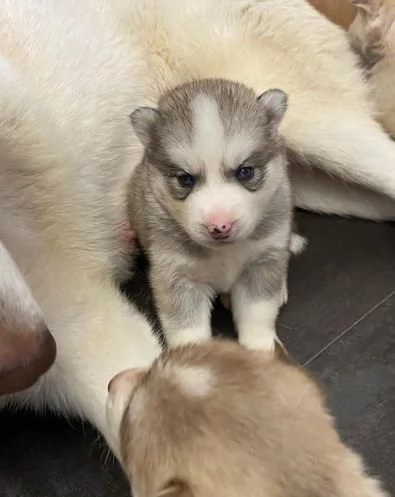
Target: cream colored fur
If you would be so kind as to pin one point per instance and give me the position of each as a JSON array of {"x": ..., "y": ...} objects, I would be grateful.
[{"x": 70, "y": 75}]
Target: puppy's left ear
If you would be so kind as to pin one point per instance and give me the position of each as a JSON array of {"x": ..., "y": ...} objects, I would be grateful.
[
  {"x": 125, "y": 381},
  {"x": 143, "y": 120},
  {"x": 176, "y": 488},
  {"x": 275, "y": 103},
  {"x": 120, "y": 390}
]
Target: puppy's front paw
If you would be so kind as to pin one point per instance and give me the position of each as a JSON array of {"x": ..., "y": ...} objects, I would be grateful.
[
  {"x": 260, "y": 340},
  {"x": 187, "y": 336}
]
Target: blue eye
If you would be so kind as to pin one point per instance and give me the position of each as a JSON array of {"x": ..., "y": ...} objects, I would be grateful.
[
  {"x": 186, "y": 180},
  {"x": 245, "y": 173}
]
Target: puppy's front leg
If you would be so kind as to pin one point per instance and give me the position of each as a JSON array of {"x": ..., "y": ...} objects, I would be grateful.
[
  {"x": 184, "y": 307},
  {"x": 257, "y": 297}
]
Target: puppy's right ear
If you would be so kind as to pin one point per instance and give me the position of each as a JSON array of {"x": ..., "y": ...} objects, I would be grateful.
[
  {"x": 175, "y": 488},
  {"x": 125, "y": 381},
  {"x": 142, "y": 120},
  {"x": 275, "y": 103}
]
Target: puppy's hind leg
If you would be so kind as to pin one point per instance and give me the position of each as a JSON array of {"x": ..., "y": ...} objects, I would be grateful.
[{"x": 347, "y": 145}]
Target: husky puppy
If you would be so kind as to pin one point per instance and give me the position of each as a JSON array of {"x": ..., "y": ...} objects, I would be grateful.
[
  {"x": 217, "y": 419},
  {"x": 211, "y": 204}
]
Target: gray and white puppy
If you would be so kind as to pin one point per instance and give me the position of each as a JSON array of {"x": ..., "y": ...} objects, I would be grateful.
[{"x": 212, "y": 207}]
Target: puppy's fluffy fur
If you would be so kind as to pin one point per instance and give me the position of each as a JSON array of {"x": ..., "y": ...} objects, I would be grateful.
[
  {"x": 218, "y": 420},
  {"x": 211, "y": 203},
  {"x": 71, "y": 73}
]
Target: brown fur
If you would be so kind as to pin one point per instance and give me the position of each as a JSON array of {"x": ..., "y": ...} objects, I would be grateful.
[
  {"x": 341, "y": 12},
  {"x": 25, "y": 355},
  {"x": 261, "y": 429}
]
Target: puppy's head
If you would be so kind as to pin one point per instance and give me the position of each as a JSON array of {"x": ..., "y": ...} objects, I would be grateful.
[
  {"x": 149, "y": 415},
  {"x": 216, "y": 419},
  {"x": 215, "y": 155}
]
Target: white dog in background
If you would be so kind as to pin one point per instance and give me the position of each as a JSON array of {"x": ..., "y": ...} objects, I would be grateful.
[{"x": 71, "y": 73}]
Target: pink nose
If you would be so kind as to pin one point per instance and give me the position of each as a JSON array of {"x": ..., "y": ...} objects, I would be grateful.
[{"x": 219, "y": 227}]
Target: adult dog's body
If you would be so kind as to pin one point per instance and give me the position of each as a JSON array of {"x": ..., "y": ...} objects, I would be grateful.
[{"x": 72, "y": 72}]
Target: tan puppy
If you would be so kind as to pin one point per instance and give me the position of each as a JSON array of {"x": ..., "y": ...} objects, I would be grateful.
[{"x": 219, "y": 420}]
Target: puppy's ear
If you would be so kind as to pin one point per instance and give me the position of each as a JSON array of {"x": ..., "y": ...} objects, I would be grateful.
[
  {"x": 175, "y": 488},
  {"x": 120, "y": 391},
  {"x": 125, "y": 381},
  {"x": 142, "y": 120},
  {"x": 275, "y": 103}
]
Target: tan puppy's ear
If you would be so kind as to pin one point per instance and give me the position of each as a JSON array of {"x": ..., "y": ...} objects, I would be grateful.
[
  {"x": 175, "y": 488},
  {"x": 125, "y": 381},
  {"x": 120, "y": 390}
]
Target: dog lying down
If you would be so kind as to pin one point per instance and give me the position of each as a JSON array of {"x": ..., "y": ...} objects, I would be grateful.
[{"x": 218, "y": 420}]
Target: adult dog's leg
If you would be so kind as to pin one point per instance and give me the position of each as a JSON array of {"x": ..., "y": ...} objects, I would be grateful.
[
  {"x": 27, "y": 348},
  {"x": 54, "y": 223},
  {"x": 318, "y": 192},
  {"x": 348, "y": 146},
  {"x": 98, "y": 334}
]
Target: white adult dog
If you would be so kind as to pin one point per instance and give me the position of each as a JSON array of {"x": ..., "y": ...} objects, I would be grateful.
[{"x": 72, "y": 72}]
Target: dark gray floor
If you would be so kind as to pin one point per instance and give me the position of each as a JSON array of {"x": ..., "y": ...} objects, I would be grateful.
[{"x": 340, "y": 322}]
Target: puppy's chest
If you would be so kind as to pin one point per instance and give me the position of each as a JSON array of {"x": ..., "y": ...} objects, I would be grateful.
[{"x": 220, "y": 270}]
